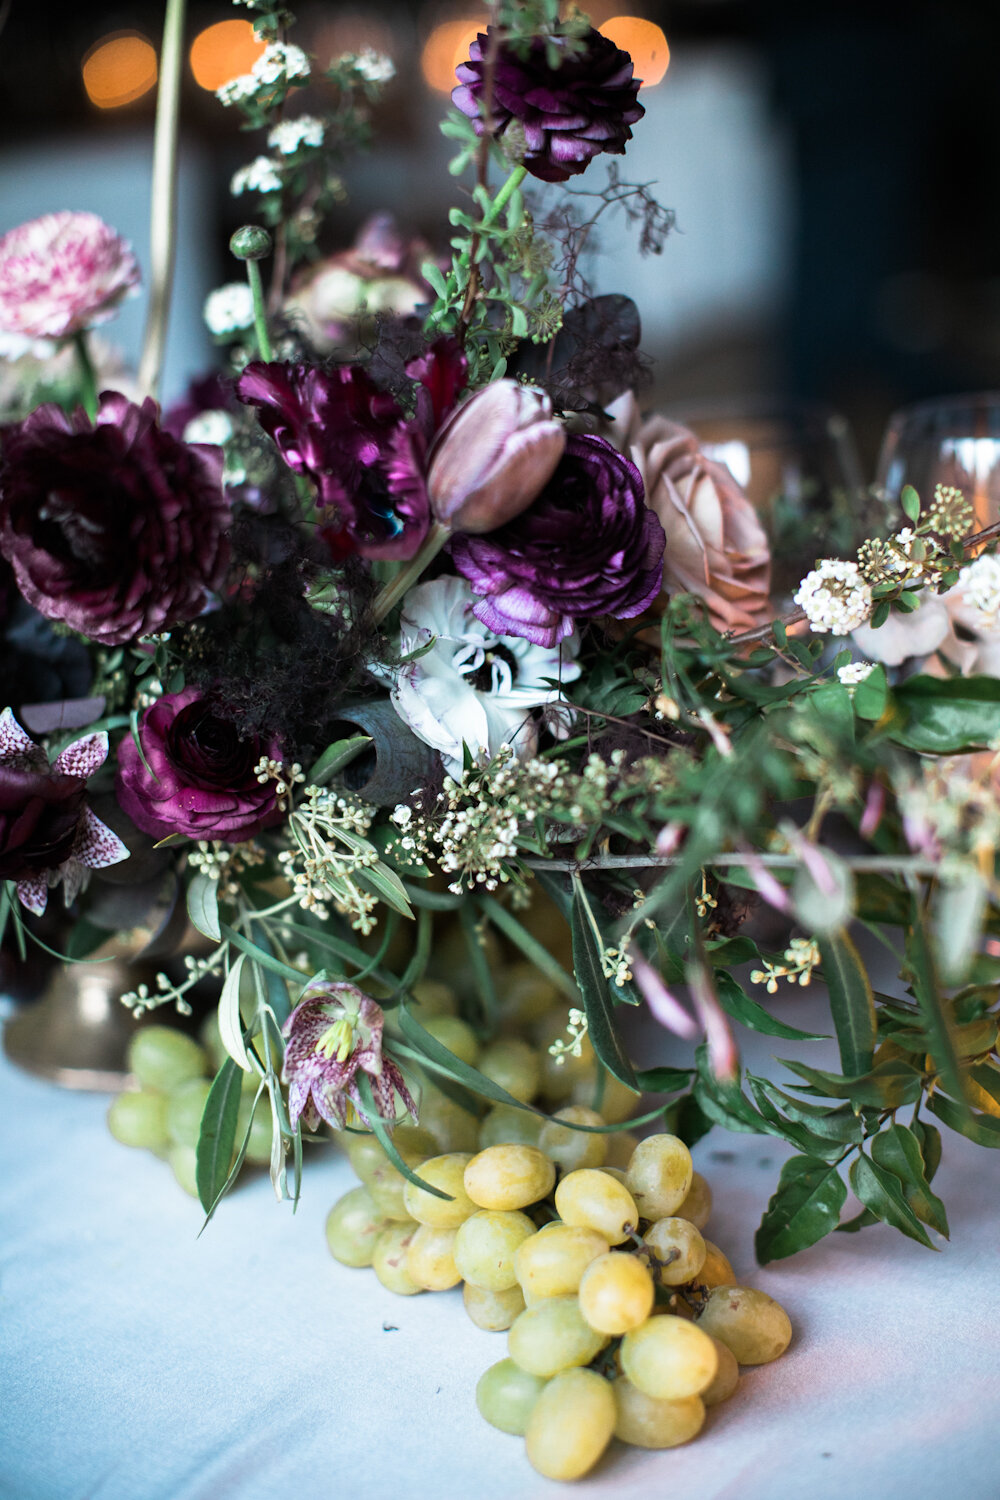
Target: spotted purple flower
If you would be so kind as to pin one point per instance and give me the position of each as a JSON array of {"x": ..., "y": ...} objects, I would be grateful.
[{"x": 332, "y": 1035}]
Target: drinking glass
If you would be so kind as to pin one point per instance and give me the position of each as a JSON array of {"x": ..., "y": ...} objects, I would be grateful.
[{"x": 950, "y": 441}]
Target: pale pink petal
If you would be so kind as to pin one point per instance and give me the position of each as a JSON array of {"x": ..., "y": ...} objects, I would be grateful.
[
  {"x": 665, "y": 1008},
  {"x": 15, "y": 744},
  {"x": 723, "y": 1054},
  {"x": 83, "y": 757}
]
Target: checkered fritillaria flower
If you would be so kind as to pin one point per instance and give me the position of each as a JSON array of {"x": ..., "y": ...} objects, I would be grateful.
[{"x": 332, "y": 1035}]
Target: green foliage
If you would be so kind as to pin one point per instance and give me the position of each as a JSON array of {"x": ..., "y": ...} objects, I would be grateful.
[{"x": 805, "y": 1207}]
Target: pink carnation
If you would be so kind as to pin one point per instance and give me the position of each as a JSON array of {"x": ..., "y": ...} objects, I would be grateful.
[{"x": 62, "y": 273}]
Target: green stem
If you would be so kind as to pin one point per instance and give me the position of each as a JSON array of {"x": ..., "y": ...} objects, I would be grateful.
[
  {"x": 259, "y": 310},
  {"x": 389, "y": 596},
  {"x": 163, "y": 218},
  {"x": 502, "y": 198},
  {"x": 88, "y": 379}
]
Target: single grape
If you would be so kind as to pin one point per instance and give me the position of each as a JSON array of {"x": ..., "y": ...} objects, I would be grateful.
[
  {"x": 697, "y": 1206},
  {"x": 434, "y": 999},
  {"x": 352, "y": 1227},
  {"x": 493, "y": 1311},
  {"x": 659, "y": 1175},
  {"x": 161, "y": 1057},
  {"x": 616, "y": 1293},
  {"x": 453, "y": 1127},
  {"x": 646, "y": 1422},
  {"x": 509, "y": 1176},
  {"x": 755, "y": 1327},
  {"x": 455, "y": 1034},
  {"x": 620, "y": 1148},
  {"x": 387, "y": 1186},
  {"x": 669, "y": 1358},
  {"x": 185, "y": 1106},
  {"x": 505, "y": 1125},
  {"x": 364, "y": 1154},
  {"x": 678, "y": 1248},
  {"x": 552, "y": 1336},
  {"x": 514, "y": 1066},
  {"x": 506, "y": 1395},
  {"x": 389, "y": 1259},
  {"x": 571, "y": 1149},
  {"x": 715, "y": 1270},
  {"x": 560, "y": 1074},
  {"x": 184, "y": 1164},
  {"x": 139, "y": 1118},
  {"x": 727, "y": 1376},
  {"x": 552, "y": 1262},
  {"x": 592, "y": 1198},
  {"x": 258, "y": 1152},
  {"x": 571, "y": 1424},
  {"x": 444, "y": 1172},
  {"x": 617, "y": 1174},
  {"x": 615, "y": 1102},
  {"x": 525, "y": 994},
  {"x": 429, "y": 1259},
  {"x": 485, "y": 1246}
]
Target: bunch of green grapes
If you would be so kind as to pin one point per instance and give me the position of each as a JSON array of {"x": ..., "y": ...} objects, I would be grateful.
[{"x": 163, "y": 1114}]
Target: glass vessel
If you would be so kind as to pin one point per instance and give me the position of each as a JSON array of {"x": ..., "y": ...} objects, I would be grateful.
[{"x": 950, "y": 441}]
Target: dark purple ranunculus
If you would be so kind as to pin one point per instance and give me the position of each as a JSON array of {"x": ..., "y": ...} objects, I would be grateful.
[
  {"x": 115, "y": 528},
  {"x": 353, "y": 441},
  {"x": 569, "y": 114},
  {"x": 588, "y": 546},
  {"x": 201, "y": 778}
]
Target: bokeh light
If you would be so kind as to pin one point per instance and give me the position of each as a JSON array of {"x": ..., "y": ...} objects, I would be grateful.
[
  {"x": 223, "y": 52},
  {"x": 446, "y": 47},
  {"x": 645, "y": 43},
  {"x": 119, "y": 69}
]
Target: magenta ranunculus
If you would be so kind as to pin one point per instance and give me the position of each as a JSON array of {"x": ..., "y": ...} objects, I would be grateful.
[
  {"x": 117, "y": 529},
  {"x": 353, "y": 441},
  {"x": 203, "y": 782},
  {"x": 587, "y": 547},
  {"x": 569, "y": 114},
  {"x": 63, "y": 273}
]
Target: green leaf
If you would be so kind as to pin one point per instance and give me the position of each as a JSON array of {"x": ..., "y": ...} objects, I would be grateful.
[
  {"x": 724, "y": 1102},
  {"x": 910, "y": 502},
  {"x": 887, "y": 1086},
  {"x": 804, "y": 1208},
  {"x": 837, "y": 1124},
  {"x": 933, "y": 1007},
  {"x": 265, "y": 958},
  {"x": 860, "y": 1221},
  {"x": 594, "y": 989},
  {"x": 532, "y": 949},
  {"x": 983, "y": 1129},
  {"x": 898, "y": 1151},
  {"x": 871, "y": 697},
  {"x": 230, "y": 1021},
  {"x": 851, "y": 1001},
  {"x": 384, "y": 1137},
  {"x": 203, "y": 906},
  {"x": 959, "y": 909},
  {"x": 794, "y": 1132},
  {"x": 738, "y": 1004},
  {"x": 662, "y": 1080},
  {"x": 929, "y": 1139},
  {"x": 218, "y": 1133},
  {"x": 335, "y": 757},
  {"x": 480, "y": 965},
  {"x": 428, "y": 1051},
  {"x": 882, "y": 1192},
  {"x": 944, "y": 715}
]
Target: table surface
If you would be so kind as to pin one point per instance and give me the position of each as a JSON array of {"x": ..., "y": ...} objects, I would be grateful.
[{"x": 140, "y": 1362}]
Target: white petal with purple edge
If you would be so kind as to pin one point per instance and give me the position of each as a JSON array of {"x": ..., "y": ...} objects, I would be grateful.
[
  {"x": 96, "y": 845},
  {"x": 83, "y": 757}
]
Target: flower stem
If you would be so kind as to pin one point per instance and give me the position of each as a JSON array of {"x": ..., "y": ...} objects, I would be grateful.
[
  {"x": 163, "y": 218},
  {"x": 88, "y": 379},
  {"x": 390, "y": 594},
  {"x": 259, "y": 310}
]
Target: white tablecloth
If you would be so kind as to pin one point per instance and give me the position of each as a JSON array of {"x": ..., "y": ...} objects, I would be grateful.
[{"x": 138, "y": 1362}]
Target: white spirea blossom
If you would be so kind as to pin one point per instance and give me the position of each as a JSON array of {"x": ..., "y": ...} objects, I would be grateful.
[
  {"x": 214, "y": 427},
  {"x": 372, "y": 66},
  {"x": 855, "y": 672},
  {"x": 281, "y": 60},
  {"x": 288, "y": 135},
  {"x": 229, "y": 309},
  {"x": 237, "y": 89},
  {"x": 834, "y": 597},
  {"x": 261, "y": 176},
  {"x": 980, "y": 585}
]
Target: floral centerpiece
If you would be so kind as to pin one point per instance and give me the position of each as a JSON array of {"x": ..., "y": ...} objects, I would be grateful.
[{"x": 412, "y": 615}]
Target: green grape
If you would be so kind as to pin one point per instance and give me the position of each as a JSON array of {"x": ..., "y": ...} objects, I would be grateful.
[
  {"x": 571, "y": 1424},
  {"x": 509, "y": 1176},
  {"x": 616, "y": 1293},
  {"x": 139, "y": 1118},
  {"x": 552, "y": 1336},
  {"x": 430, "y": 1261},
  {"x": 561, "y": 1074},
  {"x": 161, "y": 1057},
  {"x": 493, "y": 1311},
  {"x": 514, "y": 1066},
  {"x": 618, "y": 1101},
  {"x": 389, "y": 1259},
  {"x": 669, "y": 1358},
  {"x": 387, "y": 1186},
  {"x": 184, "y": 1165},
  {"x": 352, "y": 1227},
  {"x": 571, "y": 1149},
  {"x": 444, "y": 1172},
  {"x": 595, "y": 1199},
  {"x": 185, "y": 1107},
  {"x": 715, "y": 1269},
  {"x": 211, "y": 1040},
  {"x": 434, "y": 999},
  {"x": 617, "y": 1174},
  {"x": 505, "y": 1125},
  {"x": 697, "y": 1206},
  {"x": 453, "y": 1127},
  {"x": 678, "y": 1248},
  {"x": 620, "y": 1148},
  {"x": 727, "y": 1376},
  {"x": 364, "y": 1154},
  {"x": 506, "y": 1395},
  {"x": 485, "y": 1246},
  {"x": 455, "y": 1034},
  {"x": 258, "y": 1152},
  {"x": 659, "y": 1175},
  {"x": 525, "y": 994},
  {"x": 646, "y": 1422},
  {"x": 755, "y": 1327},
  {"x": 552, "y": 1262}
]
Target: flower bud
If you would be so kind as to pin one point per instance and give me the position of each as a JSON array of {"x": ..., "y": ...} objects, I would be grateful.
[
  {"x": 493, "y": 456},
  {"x": 251, "y": 242}
]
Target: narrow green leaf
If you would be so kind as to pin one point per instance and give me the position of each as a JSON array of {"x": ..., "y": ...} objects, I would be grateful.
[
  {"x": 933, "y": 1006},
  {"x": 983, "y": 1129},
  {"x": 203, "y": 906},
  {"x": 887, "y": 1086},
  {"x": 897, "y": 1149},
  {"x": 804, "y": 1208},
  {"x": 794, "y": 1131},
  {"x": 482, "y": 972},
  {"x": 218, "y": 1133},
  {"x": 851, "y": 1001},
  {"x": 882, "y": 1192},
  {"x": 929, "y": 1139},
  {"x": 335, "y": 757},
  {"x": 748, "y": 1012},
  {"x": 434, "y": 1054},
  {"x": 838, "y": 1124},
  {"x": 594, "y": 989},
  {"x": 725, "y": 1104},
  {"x": 384, "y": 1137},
  {"x": 230, "y": 1021},
  {"x": 530, "y": 947},
  {"x": 663, "y": 1080},
  {"x": 959, "y": 909},
  {"x": 264, "y": 958}
]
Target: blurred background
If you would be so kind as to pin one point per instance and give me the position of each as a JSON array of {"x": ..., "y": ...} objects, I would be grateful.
[{"x": 833, "y": 167}]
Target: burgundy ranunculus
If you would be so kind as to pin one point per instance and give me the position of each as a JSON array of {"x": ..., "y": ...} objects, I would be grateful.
[
  {"x": 352, "y": 439},
  {"x": 203, "y": 781},
  {"x": 569, "y": 114},
  {"x": 117, "y": 529},
  {"x": 588, "y": 546}
]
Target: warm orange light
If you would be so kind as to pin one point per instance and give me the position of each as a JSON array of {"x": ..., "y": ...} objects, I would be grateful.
[
  {"x": 446, "y": 47},
  {"x": 645, "y": 43},
  {"x": 223, "y": 52},
  {"x": 118, "y": 69}
]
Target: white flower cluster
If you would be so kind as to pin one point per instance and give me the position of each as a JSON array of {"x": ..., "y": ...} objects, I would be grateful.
[
  {"x": 288, "y": 136},
  {"x": 980, "y": 585},
  {"x": 834, "y": 597},
  {"x": 278, "y": 63},
  {"x": 215, "y": 427},
  {"x": 371, "y": 66},
  {"x": 855, "y": 672},
  {"x": 229, "y": 309},
  {"x": 261, "y": 176}
]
